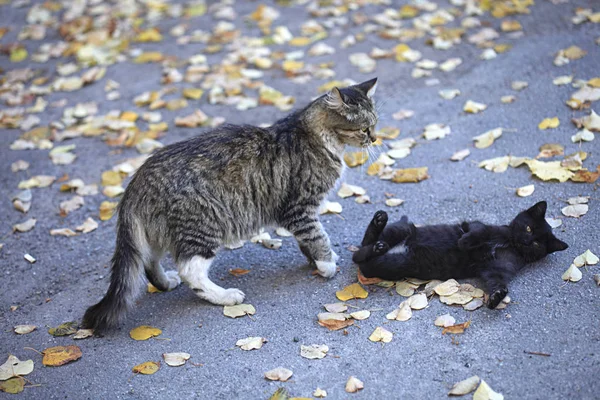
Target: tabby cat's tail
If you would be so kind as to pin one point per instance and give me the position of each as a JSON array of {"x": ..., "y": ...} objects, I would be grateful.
[{"x": 127, "y": 267}]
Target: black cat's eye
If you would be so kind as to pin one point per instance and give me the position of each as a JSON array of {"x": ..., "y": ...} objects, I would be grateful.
[
  {"x": 536, "y": 244},
  {"x": 528, "y": 229}
]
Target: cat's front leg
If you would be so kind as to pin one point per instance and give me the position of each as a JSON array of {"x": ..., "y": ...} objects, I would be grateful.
[
  {"x": 496, "y": 275},
  {"x": 313, "y": 241}
]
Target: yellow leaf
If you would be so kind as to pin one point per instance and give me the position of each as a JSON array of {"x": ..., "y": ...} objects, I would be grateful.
[
  {"x": 193, "y": 93},
  {"x": 354, "y": 159},
  {"x": 60, "y": 355},
  {"x": 388, "y": 132},
  {"x": 148, "y": 57},
  {"x": 548, "y": 123},
  {"x": 152, "y": 289},
  {"x": 111, "y": 178},
  {"x": 147, "y": 368},
  {"x": 107, "y": 209},
  {"x": 149, "y": 35},
  {"x": 68, "y": 328},
  {"x": 326, "y": 87},
  {"x": 525, "y": 191},
  {"x": 292, "y": 65},
  {"x": 594, "y": 82},
  {"x": 300, "y": 41},
  {"x": 381, "y": 335},
  {"x": 354, "y": 291},
  {"x": 375, "y": 168},
  {"x": 129, "y": 116},
  {"x": 144, "y": 332},
  {"x": 549, "y": 170},
  {"x": 19, "y": 54},
  {"x": 474, "y": 107},
  {"x": 502, "y": 48},
  {"x": 408, "y": 175},
  {"x": 176, "y": 104},
  {"x": 574, "y": 53},
  {"x": 511, "y": 25},
  {"x": 13, "y": 385},
  {"x": 408, "y": 11},
  {"x": 486, "y": 139}
]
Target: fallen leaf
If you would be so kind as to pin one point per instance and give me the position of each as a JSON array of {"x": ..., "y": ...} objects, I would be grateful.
[
  {"x": 518, "y": 85},
  {"x": 473, "y": 304},
  {"x": 464, "y": 387},
  {"x": 60, "y": 355},
  {"x": 436, "y": 131},
  {"x": 347, "y": 190},
  {"x": 525, "y": 191},
  {"x": 548, "y": 123},
  {"x": 251, "y": 343},
  {"x": 353, "y": 385},
  {"x": 354, "y": 291},
  {"x": 71, "y": 205},
  {"x": 572, "y": 274},
  {"x": 562, "y": 80},
  {"x": 29, "y": 258},
  {"x": 107, "y": 209},
  {"x": 578, "y": 200},
  {"x": 147, "y": 368},
  {"x": 508, "y": 99},
  {"x": 175, "y": 359},
  {"x": 456, "y": 298},
  {"x": 24, "y": 329},
  {"x": 62, "y": 232},
  {"x": 13, "y": 385},
  {"x": 403, "y": 114},
  {"x": 15, "y": 367},
  {"x": 486, "y": 139},
  {"x": 24, "y": 226},
  {"x": 575, "y": 211},
  {"x": 381, "y": 335},
  {"x": 83, "y": 334},
  {"x": 88, "y": 226},
  {"x": 549, "y": 170},
  {"x": 444, "y": 320},
  {"x": 473, "y": 107},
  {"x": 460, "y": 155},
  {"x": 238, "y": 271},
  {"x": 417, "y": 301},
  {"x": 361, "y": 315},
  {"x": 456, "y": 329},
  {"x": 551, "y": 150},
  {"x": 319, "y": 393},
  {"x": 410, "y": 175},
  {"x": 393, "y": 202},
  {"x": 330, "y": 207},
  {"x": 279, "y": 374},
  {"x": 144, "y": 332},
  {"x": 485, "y": 392},
  {"x": 447, "y": 288},
  {"x": 65, "y": 329},
  {"x": 587, "y": 258},
  {"x": 402, "y": 313},
  {"x": 314, "y": 351},
  {"x": 239, "y": 310},
  {"x": 405, "y": 288}
]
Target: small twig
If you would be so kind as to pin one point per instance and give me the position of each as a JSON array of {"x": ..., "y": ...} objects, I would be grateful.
[
  {"x": 536, "y": 353},
  {"x": 160, "y": 338},
  {"x": 31, "y": 348},
  {"x": 197, "y": 364}
]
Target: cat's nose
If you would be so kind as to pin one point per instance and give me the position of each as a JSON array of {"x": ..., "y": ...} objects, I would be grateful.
[{"x": 372, "y": 136}]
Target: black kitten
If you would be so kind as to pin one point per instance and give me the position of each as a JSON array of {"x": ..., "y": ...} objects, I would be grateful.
[{"x": 472, "y": 249}]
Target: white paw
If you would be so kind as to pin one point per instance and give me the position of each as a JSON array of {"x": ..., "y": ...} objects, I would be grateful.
[
  {"x": 174, "y": 279},
  {"x": 223, "y": 297},
  {"x": 334, "y": 256},
  {"x": 326, "y": 269}
]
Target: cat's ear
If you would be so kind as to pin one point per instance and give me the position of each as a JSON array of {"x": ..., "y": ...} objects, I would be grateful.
[
  {"x": 335, "y": 99},
  {"x": 368, "y": 87},
  {"x": 555, "y": 244},
  {"x": 538, "y": 211}
]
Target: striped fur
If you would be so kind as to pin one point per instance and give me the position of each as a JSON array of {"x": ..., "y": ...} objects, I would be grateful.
[{"x": 194, "y": 196}]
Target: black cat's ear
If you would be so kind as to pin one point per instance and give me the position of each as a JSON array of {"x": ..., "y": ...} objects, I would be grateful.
[
  {"x": 368, "y": 87},
  {"x": 538, "y": 211},
  {"x": 335, "y": 99},
  {"x": 556, "y": 245}
]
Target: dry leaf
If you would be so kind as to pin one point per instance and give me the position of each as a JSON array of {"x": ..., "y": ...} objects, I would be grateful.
[
  {"x": 447, "y": 288},
  {"x": 314, "y": 351},
  {"x": 278, "y": 374},
  {"x": 402, "y": 313},
  {"x": 332, "y": 207},
  {"x": 354, "y": 291},
  {"x": 83, "y": 334},
  {"x": 572, "y": 274},
  {"x": 417, "y": 301},
  {"x": 449, "y": 94},
  {"x": 251, "y": 343},
  {"x": 238, "y": 271},
  {"x": 549, "y": 170},
  {"x": 107, "y": 209},
  {"x": 62, "y": 232},
  {"x": 13, "y": 385},
  {"x": 444, "y": 320},
  {"x": 465, "y": 387},
  {"x": 405, "y": 288},
  {"x": 587, "y": 258},
  {"x": 24, "y": 226},
  {"x": 381, "y": 335},
  {"x": 473, "y": 107},
  {"x": 319, "y": 393},
  {"x": 436, "y": 131},
  {"x": 460, "y": 155},
  {"x": 582, "y": 136},
  {"x": 410, "y": 175},
  {"x": 147, "y": 368},
  {"x": 71, "y": 205},
  {"x": 456, "y": 298},
  {"x": 562, "y": 80},
  {"x": 176, "y": 359},
  {"x": 393, "y": 202},
  {"x": 65, "y": 329},
  {"x": 456, "y": 329},
  {"x": 486, "y": 139},
  {"x": 551, "y": 150},
  {"x": 575, "y": 211},
  {"x": 353, "y": 385},
  {"x": 239, "y": 310},
  {"x": 335, "y": 324},
  {"x": 354, "y": 159},
  {"x": 60, "y": 355},
  {"x": 361, "y": 315},
  {"x": 485, "y": 392},
  {"x": 15, "y": 367},
  {"x": 144, "y": 332},
  {"x": 388, "y": 132},
  {"x": 88, "y": 226},
  {"x": 525, "y": 191},
  {"x": 347, "y": 190},
  {"x": 473, "y": 304},
  {"x": 549, "y": 123},
  {"x": 24, "y": 329}
]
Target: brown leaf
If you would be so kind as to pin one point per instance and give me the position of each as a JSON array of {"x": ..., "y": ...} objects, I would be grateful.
[
  {"x": 334, "y": 324},
  {"x": 61, "y": 355},
  {"x": 367, "y": 281},
  {"x": 456, "y": 329},
  {"x": 239, "y": 271}
]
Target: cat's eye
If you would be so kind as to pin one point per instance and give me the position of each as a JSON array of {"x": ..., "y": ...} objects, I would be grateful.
[
  {"x": 528, "y": 229},
  {"x": 365, "y": 130},
  {"x": 536, "y": 244}
]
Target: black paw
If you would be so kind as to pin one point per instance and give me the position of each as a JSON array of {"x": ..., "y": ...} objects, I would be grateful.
[
  {"x": 496, "y": 298},
  {"x": 380, "y": 248},
  {"x": 380, "y": 219}
]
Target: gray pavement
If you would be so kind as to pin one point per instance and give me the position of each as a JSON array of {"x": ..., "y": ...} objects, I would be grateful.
[{"x": 546, "y": 315}]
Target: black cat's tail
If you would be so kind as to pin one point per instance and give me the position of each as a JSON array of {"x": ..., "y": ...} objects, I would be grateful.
[{"x": 127, "y": 267}]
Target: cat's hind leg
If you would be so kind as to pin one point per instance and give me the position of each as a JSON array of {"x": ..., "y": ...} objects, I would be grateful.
[
  {"x": 194, "y": 272},
  {"x": 398, "y": 232},
  {"x": 375, "y": 228},
  {"x": 163, "y": 281}
]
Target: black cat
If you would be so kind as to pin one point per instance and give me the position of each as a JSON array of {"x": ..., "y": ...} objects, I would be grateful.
[{"x": 494, "y": 253}]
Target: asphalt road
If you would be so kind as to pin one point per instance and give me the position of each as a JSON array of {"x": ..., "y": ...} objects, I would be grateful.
[{"x": 546, "y": 314}]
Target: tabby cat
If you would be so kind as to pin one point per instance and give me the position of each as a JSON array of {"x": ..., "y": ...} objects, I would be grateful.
[
  {"x": 471, "y": 249},
  {"x": 192, "y": 197}
]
